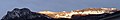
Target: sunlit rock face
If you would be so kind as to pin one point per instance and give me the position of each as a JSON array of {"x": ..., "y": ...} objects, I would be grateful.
[
  {"x": 83, "y": 14},
  {"x": 96, "y": 10}
]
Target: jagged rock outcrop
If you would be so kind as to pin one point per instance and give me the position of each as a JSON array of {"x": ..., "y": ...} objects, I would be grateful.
[{"x": 24, "y": 14}]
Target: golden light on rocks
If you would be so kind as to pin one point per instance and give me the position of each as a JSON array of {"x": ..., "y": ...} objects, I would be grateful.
[{"x": 83, "y": 12}]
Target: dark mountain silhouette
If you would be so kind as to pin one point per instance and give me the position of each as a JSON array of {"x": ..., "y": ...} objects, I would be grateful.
[{"x": 26, "y": 14}]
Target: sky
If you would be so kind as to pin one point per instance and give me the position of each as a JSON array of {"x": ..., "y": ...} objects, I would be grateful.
[{"x": 55, "y": 5}]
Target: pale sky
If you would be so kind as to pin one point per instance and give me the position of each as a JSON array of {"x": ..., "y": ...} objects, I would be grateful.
[{"x": 55, "y": 5}]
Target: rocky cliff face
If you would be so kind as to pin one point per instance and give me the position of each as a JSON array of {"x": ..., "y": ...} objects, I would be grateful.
[
  {"x": 23, "y": 14},
  {"x": 26, "y": 14}
]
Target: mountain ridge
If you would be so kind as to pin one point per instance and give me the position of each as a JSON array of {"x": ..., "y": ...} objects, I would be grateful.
[{"x": 26, "y": 14}]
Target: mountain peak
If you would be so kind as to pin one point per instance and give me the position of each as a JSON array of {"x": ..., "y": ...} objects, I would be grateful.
[{"x": 89, "y": 13}]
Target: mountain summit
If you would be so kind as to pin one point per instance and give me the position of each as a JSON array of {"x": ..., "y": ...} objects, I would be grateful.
[{"x": 84, "y": 14}]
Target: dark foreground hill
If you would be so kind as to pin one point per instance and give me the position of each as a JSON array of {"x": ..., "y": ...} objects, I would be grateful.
[{"x": 26, "y": 14}]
